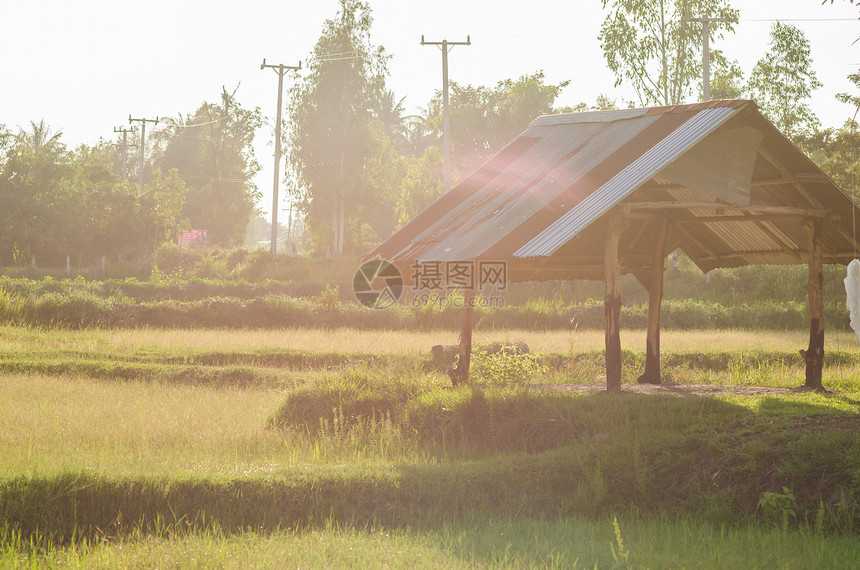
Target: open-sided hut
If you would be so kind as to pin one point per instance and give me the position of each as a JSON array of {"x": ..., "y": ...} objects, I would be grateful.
[{"x": 596, "y": 195}]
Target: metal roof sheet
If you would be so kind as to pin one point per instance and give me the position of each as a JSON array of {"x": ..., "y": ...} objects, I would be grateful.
[
  {"x": 622, "y": 184},
  {"x": 531, "y": 201}
]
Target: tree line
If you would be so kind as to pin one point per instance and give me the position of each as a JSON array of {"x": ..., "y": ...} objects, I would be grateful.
[
  {"x": 56, "y": 201},
  {"x": 358, "y": 166},
  {"x": 362, "y": 167}
]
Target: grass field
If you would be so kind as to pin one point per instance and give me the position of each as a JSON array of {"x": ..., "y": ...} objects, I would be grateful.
[
  {"x": 570, "y": 543},
  {"x": 320, "y": 448},
  {"x": 397, "y": 342}
]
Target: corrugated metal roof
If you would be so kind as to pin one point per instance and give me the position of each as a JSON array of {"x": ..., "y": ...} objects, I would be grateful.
[
  {"x": 539, "y": 198},
  {"x": 622, "y": 184}
]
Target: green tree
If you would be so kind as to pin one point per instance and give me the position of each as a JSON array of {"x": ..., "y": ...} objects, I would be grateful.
[
  {"x": 389, "y": 110},
  {"x": 334, "y": 131},
  {"x": 853, "y": 100},
  {"x": 485, "y": 119},
  {"x": 421, "y": 185},
  {"x": 36, "y": 197},
  {"x": 783, "y": 80},
  {"x": 727, "y": 79},
  {"x": 420, "y": 133},
  {"x": 212, "y": 150},
  {"x": 837, "y": 152},
  {"x": 648, "y": 46},
  {"x": 158, "y": 209},
  {"x": 601, "y": 103}
]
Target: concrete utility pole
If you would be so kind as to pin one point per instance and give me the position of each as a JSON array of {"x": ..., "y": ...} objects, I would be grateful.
[
  {"x": 706, "y": 47},
  {"x": 142, "y": 143},
  {"x": 124, "y": 145},
  {"x": 280, "y": 70},
  {"x": 446, "y": 121}
]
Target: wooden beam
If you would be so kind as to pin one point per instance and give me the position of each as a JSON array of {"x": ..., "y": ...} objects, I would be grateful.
[
  {"x": 774, "y": 210},
  {"x": 698, "y": 243},
  {"x": 790, "y": 175},
  {"x": 640, "y": 232},
  {"x": 797, "y": 218},
  {"x": 460, "y": 376},
  {"x": 612, "y": 307},
  {"x": 770, "y": 182},
  {"x": 655, "y": 299},
  {"x": 814, "y": 354},
  {"x": 854, "y": 242},
  {"x": 752, "y": 253}
]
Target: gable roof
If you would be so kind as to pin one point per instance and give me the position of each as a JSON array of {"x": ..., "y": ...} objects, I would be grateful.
[{"x": 732, "y": 188}]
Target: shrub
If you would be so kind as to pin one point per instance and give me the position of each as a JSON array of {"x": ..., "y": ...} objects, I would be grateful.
[{"x": 507, "y": 367}]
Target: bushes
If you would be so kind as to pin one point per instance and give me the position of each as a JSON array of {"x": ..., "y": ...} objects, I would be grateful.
[
  {"x": 75, "y": 309},
  {"x": 506, "y": 367},
  {"x": 202, "y": 303}
]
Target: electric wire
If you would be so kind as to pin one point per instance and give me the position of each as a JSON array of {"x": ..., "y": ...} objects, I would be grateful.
[{"x": 342, "y": 197}]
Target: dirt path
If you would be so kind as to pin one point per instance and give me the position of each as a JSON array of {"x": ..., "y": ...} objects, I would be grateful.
[{"x": 674, "y": 389}]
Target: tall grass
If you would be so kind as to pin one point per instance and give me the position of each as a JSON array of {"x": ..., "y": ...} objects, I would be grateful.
[{"x": 569, "y": 543}]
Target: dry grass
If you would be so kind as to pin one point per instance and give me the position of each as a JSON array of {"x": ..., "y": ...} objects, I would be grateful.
[
  {"x": 347, "y": 340},
  {"x": 50, "y": 425}
]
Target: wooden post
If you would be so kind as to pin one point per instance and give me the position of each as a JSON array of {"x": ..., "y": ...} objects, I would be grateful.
[
  {"x": 814, "y": 355},
  {"x": 461, "y": 374},
  {"x": 655, "y": 299},
  {"x": 612, "y": 307}
]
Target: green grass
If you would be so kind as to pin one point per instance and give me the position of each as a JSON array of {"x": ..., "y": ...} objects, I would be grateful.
[
  {"x": 408, "y": 453},
  {"x": 145, "y": 447},
  {"x": 518, "y": 543}
]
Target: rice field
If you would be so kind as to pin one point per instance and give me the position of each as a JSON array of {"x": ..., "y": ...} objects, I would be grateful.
[{"x": 118, "y": 451}]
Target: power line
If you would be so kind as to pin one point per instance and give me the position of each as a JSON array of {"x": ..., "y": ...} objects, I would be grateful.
[
  {"x": 186, "y": 126},
  {"x": 798, "y": 19},
  {"x": 211, "y": 178},
  {"x": 342, "y": 197}
]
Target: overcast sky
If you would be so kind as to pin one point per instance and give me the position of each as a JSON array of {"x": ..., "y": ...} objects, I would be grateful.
[{"x": 83, "y": 66}]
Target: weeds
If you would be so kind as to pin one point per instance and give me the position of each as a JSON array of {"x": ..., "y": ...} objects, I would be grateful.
[
  {"x": 507, "y": 366},
  {"x": 779, "y": 506}
]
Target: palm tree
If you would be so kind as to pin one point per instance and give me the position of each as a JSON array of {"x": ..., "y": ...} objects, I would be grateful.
[
  {"x": 390, "y": 113},
  {"x": 40, "y": 135},
  {"x": 420, "y": 134}
]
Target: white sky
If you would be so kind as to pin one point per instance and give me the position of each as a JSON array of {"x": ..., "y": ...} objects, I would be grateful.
[{"x": 83, "y": 66}]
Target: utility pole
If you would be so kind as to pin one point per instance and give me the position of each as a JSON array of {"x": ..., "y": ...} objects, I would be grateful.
[
  {"x": 446, "y": 121},
  {"x": 280, "y": 70},
  {"x": 706, "y": 46},
  {"x": 290, "y": 223},
  {"x": 142, "y": 143},
  {"x": 706, "y": 87},
  {"x": 124, "y": 145}
]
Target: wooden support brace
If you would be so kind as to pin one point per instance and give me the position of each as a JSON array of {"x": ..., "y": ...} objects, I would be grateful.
[
  {"x": 612, "y": 307},
  {"x": 655, "y": 299},
  {"x": 460, "y": 376},
  {"x": 814, "y": 354}
]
